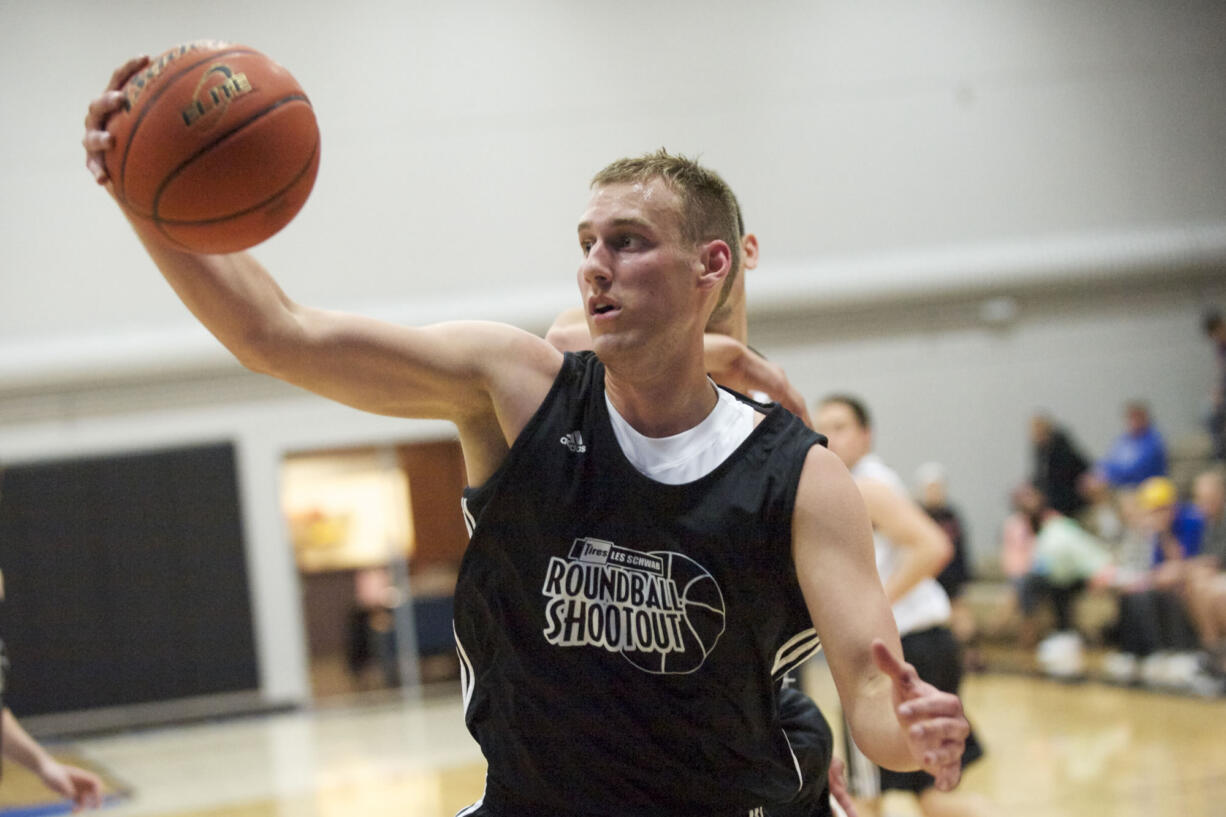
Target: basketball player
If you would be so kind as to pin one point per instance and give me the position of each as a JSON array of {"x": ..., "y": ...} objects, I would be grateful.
[
  {"x": 620, "y": 635},
  {"x": 732, "y": 363},
  {"x": 911, "y": 549}
]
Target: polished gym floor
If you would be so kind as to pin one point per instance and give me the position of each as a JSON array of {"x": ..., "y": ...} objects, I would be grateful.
[{"x": 1054, "y": 749}]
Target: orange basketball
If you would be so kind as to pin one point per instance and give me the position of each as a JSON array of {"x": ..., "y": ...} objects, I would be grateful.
[{"x": 216, "y": 149}]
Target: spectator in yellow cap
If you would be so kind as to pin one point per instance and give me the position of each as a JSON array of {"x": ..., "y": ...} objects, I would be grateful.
[
  {"x": 1177, "y": 527},
  {"x": 1155, "y": 634}
]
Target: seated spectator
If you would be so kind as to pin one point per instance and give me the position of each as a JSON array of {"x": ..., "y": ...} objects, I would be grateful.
[
  {"x": 1067, "y": 559},
  {"x": 1205, "y": 581},
  {"x": 1057, "y": 465},
  {"x": 1102, "y": 515},
  {"x": 1155, "y": 636},
  {"x": 1137, "y": 454},
  {"x": 1209, "y": 497}
]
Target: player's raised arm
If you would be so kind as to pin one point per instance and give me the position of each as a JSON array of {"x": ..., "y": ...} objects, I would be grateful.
[
  {"x": 487, "y": 378},
  {"x": 897, "y": 719}
]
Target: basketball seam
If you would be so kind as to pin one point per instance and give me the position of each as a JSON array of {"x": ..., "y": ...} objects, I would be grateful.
[
  {"x": 166, "y": 82},
  {"x": 160, "y": 223},
  {"x": 153, "y": 214}
]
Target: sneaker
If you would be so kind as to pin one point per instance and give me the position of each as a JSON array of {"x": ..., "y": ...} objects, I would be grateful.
[
  {"x": 1062, "y": 656},
  {"x": 1206, "y": 686},
  {"x": 1120, "y": 667},
  {"x": 1154, "y": 670}
]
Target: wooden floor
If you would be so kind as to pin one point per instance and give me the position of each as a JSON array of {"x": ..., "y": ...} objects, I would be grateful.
[{"x": 1054, "y": 749}]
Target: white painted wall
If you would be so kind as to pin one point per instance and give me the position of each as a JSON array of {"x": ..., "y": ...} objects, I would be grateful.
[
  {"x": 892, "y": 156},
  {"x": 458, "y": 137}
]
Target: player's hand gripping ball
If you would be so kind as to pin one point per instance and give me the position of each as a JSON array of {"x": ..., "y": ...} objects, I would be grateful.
[{"x": 216, "y": 147}]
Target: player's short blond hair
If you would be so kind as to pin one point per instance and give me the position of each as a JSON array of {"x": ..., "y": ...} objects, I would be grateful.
[{"x": 709, "y": 210}]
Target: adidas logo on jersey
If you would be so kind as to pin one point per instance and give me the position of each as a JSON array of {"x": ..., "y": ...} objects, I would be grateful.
[{"x": 574, "y": 441}]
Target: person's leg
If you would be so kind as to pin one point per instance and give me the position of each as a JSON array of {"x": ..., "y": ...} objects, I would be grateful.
[
  {"x": 1176, "y": 632},
  {"x": 1032, "y": 589},
  {"x": 1064, "y": 600},
  {"x": 1138, "y": 627}
]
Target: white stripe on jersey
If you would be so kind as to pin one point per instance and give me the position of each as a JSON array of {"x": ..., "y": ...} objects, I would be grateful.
[
  {"x": 467, "y": 677},
  {"x": 470, "y": 524},
  {"x": 796, "y": 650},
  {"x": 800, "y": 775}
]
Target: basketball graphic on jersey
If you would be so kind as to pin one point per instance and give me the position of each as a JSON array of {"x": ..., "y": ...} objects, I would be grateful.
[
  {"x": 702, "y": 606},
  {"x": 661, "y": 610}
]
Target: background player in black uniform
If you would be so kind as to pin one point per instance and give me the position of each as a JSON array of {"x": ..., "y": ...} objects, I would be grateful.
[{"x": 657, "y": 254}]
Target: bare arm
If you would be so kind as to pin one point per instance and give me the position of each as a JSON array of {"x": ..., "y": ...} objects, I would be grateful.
[
  {"x": 569, "y": 332},
  {"x": 82, "y": 787},
  {"x": 898, "y": 720},
  {"x": 738, "y": 367},
  {"x": 486, "y": 378},
  {"x": 925, "y": 547}
]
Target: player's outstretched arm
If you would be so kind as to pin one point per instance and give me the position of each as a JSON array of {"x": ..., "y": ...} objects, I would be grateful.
[
  {"x": 897, "y": 719},
  {"x": 485, "y": 377}
]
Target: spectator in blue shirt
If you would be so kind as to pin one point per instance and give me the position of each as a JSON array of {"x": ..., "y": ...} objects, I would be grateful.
[
  {"x": 1177, "y": 527},
  {"x": 1137, "y": 454}
]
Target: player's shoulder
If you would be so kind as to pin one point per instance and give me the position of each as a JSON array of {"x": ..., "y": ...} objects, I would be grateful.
[
  {"x": 824, "y": 478},
  {"x": 502, "y": 347}
]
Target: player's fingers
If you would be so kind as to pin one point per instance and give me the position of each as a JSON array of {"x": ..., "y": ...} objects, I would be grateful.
[
  {"x": 101, "y": 107},
  {"x": 902, "y": 673},
  {"x": 939, "y": 730},
  {"x": 947, "y": 779},
  {"x": 97, "y": 140},
  {"x": 937, "y": 758},
  {"x": 124, "y": 72},
  {"x": 930, "y": 705}
]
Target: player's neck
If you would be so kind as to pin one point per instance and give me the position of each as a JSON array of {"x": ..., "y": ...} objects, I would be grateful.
[{"x": 664, "y": 403}]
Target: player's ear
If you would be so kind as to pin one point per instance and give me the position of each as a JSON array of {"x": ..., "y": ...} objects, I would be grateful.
[
  {"x": 716, "y": 264},
  {"x": 749, "y": 249}
]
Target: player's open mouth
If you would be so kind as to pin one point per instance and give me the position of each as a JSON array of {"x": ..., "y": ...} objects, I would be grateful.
[{"x": 600, "y": 308}]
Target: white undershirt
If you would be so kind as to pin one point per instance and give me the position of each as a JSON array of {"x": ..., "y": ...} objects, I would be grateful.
[{"x": 693, "y": 453}]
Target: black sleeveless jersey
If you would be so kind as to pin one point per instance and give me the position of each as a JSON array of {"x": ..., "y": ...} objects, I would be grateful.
[{"x": 621, "y": 639}]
